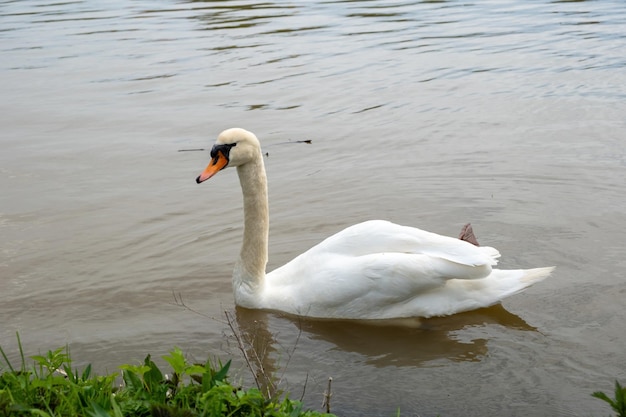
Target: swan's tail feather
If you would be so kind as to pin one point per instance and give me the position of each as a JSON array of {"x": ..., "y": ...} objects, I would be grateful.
[
  {"x": 503, "y": 283},
  {"x": 464, "y": 294},
  {"x": 535, "y": 275}
]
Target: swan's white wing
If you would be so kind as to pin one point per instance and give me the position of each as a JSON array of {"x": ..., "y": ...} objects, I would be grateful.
[{"x": 331, "y": 285}]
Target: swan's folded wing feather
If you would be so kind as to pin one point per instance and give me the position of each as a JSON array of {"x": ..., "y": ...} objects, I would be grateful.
[
  {"x": 380, "y": 236},
  {"x": 391, "y": 277},
  {"x": 367, "y": 285}
]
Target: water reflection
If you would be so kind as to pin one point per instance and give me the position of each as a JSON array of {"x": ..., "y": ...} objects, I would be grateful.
[{"x": 434, "y": 340}]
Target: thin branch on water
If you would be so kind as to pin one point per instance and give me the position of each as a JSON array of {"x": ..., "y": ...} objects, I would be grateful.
[
  {"x": 242, "y": 349},
  {"x": 179, "y": 302},
  {"x": 289, "y": 142},
  {"x": 306, "y": 141},
  {"x": 290, "y": 353},
  {"x": 327, "y": 394},
  {"x": 306, "y": 381}
]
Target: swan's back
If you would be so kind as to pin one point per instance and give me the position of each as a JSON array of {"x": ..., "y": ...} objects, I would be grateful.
[{"x": 379, "y": 236}]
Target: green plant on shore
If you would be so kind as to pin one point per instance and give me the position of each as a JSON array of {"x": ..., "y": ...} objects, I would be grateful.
[
  {"x": 618, "y": 404},
  {"x": 50, "y": 388}
]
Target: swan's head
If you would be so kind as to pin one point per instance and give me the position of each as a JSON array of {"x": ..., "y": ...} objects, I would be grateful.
[{"x": 233, "y": 147}]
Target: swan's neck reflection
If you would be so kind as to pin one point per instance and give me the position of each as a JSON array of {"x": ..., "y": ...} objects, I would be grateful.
[{"x": 256, "y": 342}]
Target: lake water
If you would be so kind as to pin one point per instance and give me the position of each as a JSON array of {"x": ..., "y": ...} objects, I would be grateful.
[{"x": 510, "y": 115}]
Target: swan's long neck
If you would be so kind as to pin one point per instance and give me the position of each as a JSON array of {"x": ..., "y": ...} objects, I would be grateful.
[{"x": 250, "y": 269}]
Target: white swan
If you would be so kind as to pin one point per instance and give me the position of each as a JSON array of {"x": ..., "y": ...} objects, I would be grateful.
[{"x": 374, "y": 270}]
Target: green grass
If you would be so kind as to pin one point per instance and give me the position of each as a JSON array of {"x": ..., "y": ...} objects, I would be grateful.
[{"x": 51, "y": 387}]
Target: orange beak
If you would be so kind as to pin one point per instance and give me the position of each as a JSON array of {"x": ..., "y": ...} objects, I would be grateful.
[{"x": 218, "y": 163}]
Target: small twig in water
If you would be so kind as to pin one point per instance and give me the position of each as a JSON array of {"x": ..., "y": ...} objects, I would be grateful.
[
  {"x": 306, "y": 381},
  {"x": 244, "y": 352},
  {"x": 290, "y": 354},
  {"x": 307, "y": 141},
  {"x": 327, "y": 394},
  {"x": 178, "y": 301}
]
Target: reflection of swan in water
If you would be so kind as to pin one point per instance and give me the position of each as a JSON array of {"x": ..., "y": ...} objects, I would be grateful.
[{"x": 435, "y": 339}]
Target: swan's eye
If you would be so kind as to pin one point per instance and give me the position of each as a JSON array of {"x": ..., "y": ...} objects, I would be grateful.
[{"x": 224, "y": 148}]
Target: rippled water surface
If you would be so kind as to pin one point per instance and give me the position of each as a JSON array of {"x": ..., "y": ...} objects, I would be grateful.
[{"x": 509, "y": 115}]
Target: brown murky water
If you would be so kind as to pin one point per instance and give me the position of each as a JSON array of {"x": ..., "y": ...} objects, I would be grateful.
[{"x": 432, "y": 114}]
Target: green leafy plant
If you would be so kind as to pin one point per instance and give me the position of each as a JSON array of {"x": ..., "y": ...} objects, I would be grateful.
[
  {"x": 618, "y": 404},
  {"x": 52, "y": 388}
]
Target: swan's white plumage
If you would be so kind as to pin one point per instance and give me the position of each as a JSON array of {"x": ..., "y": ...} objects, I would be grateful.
[{"x": 370, "y": 271}]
